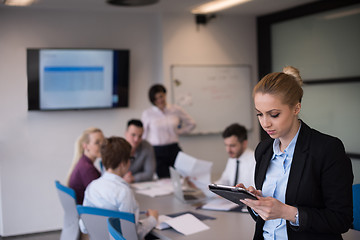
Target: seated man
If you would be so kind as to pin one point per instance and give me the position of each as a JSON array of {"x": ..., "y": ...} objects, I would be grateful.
[
  {"x": 143, "y": 162},
  {"x": 240, "y": 167},
  {"x": 111, "y": 191}
]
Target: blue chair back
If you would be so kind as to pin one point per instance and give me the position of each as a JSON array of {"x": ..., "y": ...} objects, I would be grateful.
[
  {"x": 356, "y": 206},
  {"x": 115, "y": 229},
  {"x": 70, "y": 230},
  {"x": 95, "y": 221}
]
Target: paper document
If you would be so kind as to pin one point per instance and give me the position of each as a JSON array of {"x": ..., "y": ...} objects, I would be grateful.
[
  {"x": 220, "y": 204},
  {"x": 186, "y": 224},
  {"x": 162, "y": 222},
  {"x": 154, "y": 188},
  {"x": 198, "y": 171}
]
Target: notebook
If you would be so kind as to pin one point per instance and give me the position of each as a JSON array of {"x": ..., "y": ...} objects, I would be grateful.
[{"x": 185, "y": 193}]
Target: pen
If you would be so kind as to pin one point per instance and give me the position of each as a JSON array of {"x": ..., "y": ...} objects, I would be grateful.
[{"x": 143, "y": 212}]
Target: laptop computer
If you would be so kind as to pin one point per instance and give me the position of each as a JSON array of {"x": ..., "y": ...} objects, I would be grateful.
[{"x": 182, "y": 192}]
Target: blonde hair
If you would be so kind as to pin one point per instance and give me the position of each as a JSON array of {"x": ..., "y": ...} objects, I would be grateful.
[
  {"x": 79, "y": 149},
  {"x": 286, "y": 84}
]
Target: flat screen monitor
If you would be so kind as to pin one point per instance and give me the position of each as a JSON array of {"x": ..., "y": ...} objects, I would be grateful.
[{"x": 73, "y": 79}]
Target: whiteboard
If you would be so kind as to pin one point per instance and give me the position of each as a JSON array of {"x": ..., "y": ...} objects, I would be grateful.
[{"x": 214, "y": 95}]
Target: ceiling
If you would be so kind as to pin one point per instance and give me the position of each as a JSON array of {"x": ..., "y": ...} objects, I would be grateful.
[{"x": 254, "y": 8}]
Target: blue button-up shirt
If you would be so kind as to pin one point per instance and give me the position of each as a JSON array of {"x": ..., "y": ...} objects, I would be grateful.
[{"x": 275, "y": 184}]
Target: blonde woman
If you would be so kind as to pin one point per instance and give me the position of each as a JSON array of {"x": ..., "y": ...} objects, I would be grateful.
[
  {"x": 303, "y": 178},
  {"x": 83, "y": 171}
]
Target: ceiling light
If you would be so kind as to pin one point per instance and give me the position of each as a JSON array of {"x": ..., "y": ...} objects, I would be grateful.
[
  {"x": 216, "y": 5},
  {"x": 19, "y": 3}
]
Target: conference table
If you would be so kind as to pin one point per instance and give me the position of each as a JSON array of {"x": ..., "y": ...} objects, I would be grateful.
[{"x": 226, "y": 225}]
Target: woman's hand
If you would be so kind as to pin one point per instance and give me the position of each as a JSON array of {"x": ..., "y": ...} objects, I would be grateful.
[
  {"x": 251, "y": 189},
  {"x": 270, "y": 208}
]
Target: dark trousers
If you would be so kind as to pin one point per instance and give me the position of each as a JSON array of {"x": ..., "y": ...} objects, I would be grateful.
[{"x": 165, "y": 157}]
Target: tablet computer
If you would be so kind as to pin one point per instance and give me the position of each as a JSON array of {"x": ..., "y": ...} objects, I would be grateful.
[{"x": 234, "y": 194}]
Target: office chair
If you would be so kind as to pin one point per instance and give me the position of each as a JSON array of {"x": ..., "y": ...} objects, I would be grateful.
[
  {"x": 70, "y": 230},
  {"x": 114, "y": 229},
  {"x": 95, "y": 221},
  {"x": 356, "y": 206}
]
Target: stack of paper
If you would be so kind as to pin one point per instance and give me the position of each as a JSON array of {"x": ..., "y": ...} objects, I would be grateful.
[
  {"x": 154, "y": 188},
  {"x": 186, "y": 224}
]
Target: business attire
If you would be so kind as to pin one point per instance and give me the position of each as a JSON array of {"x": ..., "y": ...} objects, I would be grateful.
[
  {"x": 275, "y": 184},
  {"x": 319, "y": 184},
  {"x": 245, "y": 173},
  {"x": 162, "y": 130},
  {"x": 112, "y": 192},
  {"x": 83, "y": 173},
  {"x": 143, "y": 162}
]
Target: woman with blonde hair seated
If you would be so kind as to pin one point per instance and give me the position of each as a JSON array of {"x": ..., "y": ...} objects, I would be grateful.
[{"x": 82, "y": 170}]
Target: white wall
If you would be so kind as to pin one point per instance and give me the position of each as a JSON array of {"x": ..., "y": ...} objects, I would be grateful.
[{"x": 36, "y": 147}]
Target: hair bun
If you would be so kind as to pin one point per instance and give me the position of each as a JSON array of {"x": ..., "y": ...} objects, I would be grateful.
[{"x": 293, "y": 72}]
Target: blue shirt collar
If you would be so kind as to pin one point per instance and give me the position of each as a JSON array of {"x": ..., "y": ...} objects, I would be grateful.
[{"x": 289, "y": 151}]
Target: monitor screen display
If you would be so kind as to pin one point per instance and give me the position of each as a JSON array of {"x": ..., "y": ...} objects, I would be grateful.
[{"x": 67, "y": 79}]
